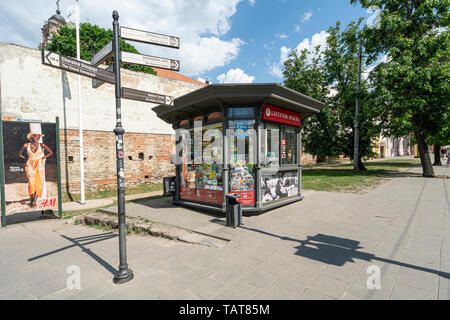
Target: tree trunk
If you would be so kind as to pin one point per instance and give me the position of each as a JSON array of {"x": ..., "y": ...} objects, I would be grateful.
[
  {"x": 361, "y": 166},
  {"x": 437, "y": 155},
  {"x": 424, "y": 155}
]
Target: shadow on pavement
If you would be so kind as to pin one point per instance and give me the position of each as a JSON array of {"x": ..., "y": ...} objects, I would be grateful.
[
  {"x": 155, "y": 202},
  {"x": 81, "y": 242},
  {"x": 29, "y": 216},
  {"x": 338, "y": 251}
]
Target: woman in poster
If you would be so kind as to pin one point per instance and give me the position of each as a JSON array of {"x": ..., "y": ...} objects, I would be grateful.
[{"x": 35, "y": 166}]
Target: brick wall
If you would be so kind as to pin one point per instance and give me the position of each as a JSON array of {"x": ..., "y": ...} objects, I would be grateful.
[{"x": 147, "y": 159}]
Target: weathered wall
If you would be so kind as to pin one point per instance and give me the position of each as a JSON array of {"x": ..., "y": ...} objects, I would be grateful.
[
  {"x": 32, "y": 91},
  {"x": 147, "y": 159}
]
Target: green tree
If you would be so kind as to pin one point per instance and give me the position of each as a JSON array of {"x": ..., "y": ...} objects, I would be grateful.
[
  {"x": 440, "y": 139},
  {"x": 411, "y": 87},
  {"x": 92, "y": 40},
  {"x": 331, "y": 132},
  {"x": 308, "y": 77}
]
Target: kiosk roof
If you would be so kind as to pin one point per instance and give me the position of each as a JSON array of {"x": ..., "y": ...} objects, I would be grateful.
[{"x": 235, "y": 95}]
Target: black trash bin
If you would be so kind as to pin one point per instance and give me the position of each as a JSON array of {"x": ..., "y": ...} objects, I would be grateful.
[
  {"x": 233, "y": 210},
  {"x": 169, "y": 186}
]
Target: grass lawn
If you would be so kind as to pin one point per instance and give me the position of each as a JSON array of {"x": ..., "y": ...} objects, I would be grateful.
[
  {"x": 338, "y": 178},
  {"x": 112, "y": 192},
  {"x": 343, "y": 179}
]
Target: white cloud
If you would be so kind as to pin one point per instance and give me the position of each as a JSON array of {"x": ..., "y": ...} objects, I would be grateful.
[
  {"x": 297, "y": 28},
  {"x": 373, "y": 22},
  {"x": 204, "y": 80},
  {"x": 235, "y": 76},
  {"x": 209, "y": 53},
  {"x": 309, "y": 44},
  {"x": 367, "y": 72},
  {"x": 275, "y": 69},
  {"x": 199, "y": 24},
  {"x": 307, "y": 16},
  {"x": 281, "y": 35},
  {"x": 251, "y": 2},
  {"x": 318, "y": 39}
]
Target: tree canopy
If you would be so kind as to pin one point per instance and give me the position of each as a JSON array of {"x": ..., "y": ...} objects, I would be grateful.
[
  {"x": 411, "y": 86},
  {"x": 92, "y": 40},
  {"x": 330, "y": 75}
]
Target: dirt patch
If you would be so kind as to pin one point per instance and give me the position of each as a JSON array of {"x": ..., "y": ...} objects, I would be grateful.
[{"x": 147, "y": 227}]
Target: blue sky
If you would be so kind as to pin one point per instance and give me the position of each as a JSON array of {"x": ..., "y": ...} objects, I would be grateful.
[
  {"x": 222, "y": 41},
  {"x": 267, "y": 26}
]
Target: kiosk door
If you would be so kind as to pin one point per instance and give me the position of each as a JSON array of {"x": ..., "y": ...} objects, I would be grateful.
[{"x": 243, "y": 160}]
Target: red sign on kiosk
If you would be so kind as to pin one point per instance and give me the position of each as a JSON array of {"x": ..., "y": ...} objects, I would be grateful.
[{"x": 275, "y": 114}]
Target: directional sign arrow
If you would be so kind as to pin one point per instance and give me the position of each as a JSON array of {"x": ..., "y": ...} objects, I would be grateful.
[
  {"x": 102, "y": 55},
  {"x": 149, "y": 37},
  {"x": 51, "y": 59},
  {"x": 79, "y": 67},
  {"x": 150, "y": 61},
  {"x": 145, "y": 96}
]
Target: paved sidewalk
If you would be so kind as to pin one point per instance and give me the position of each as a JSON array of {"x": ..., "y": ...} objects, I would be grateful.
[
  {"x": 98, "y": 203},
  {"x": 318, "y": 248},
  {"x": 90, "y": 204}
]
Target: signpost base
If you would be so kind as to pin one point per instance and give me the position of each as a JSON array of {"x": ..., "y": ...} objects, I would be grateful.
[{"x": 123, "y": 276}]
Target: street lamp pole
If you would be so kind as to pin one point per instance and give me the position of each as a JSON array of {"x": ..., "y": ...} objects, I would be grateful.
[
  {"x": 125, "y": 274},
  {"x": 358, "y": 90}
]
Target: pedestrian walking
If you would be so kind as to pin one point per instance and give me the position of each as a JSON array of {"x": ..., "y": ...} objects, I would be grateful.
[{"x": 448, "y": 156}]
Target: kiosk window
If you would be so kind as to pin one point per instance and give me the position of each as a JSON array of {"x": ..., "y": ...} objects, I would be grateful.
[
  {"x": 202, "y": 180},
  {"x": 288, "y": 146},
  {"x": 241, "y": 113},
  {"x": 272, "y": 143}
]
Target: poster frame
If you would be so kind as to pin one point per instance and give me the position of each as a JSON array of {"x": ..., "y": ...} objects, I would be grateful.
[{"x": 2, "y": 164}]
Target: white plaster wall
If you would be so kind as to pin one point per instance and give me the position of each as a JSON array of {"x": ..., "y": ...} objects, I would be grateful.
[
  {"x": 390, "y": 144},
  {"x": 30, "y": 90}
]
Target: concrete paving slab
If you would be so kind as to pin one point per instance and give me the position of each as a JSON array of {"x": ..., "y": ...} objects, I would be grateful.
[
  {"x": 309, "y": 294},
  {"x": 329, "y": 286},
  {"x": 89, "y": 204}
]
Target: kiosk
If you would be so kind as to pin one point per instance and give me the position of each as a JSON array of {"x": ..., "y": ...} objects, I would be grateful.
[{"x": 238, "y": 138}]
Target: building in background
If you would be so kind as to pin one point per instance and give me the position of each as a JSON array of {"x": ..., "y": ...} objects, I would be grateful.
[
  {"x": 50, "y": 27},
  {"x": 390, "y": 147}
]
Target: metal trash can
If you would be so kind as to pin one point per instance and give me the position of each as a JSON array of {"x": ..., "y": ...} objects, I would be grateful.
[
  {"x": 233, "y": 210},
  {"x": 169, "y": 186}
]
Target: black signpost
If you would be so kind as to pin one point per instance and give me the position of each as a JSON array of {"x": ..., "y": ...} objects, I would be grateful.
[
  {"x": 125, "y": 274},
  {"x": 73, "y": 65},
  {"x": 149, "y": 37},
  {"x": 97, "y": 83},
  {"x": 145, "y": 96},
  {"x": 112, "y": 75},
  {"x": 103, "y": 54},
  {"x": 150, "y": 61}
]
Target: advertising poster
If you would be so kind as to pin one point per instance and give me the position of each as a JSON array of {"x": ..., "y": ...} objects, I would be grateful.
[
  {"x": 242, "y": 182},
  {"x": 279, "y": 186},
  {"x": 30, "y": 166}
]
